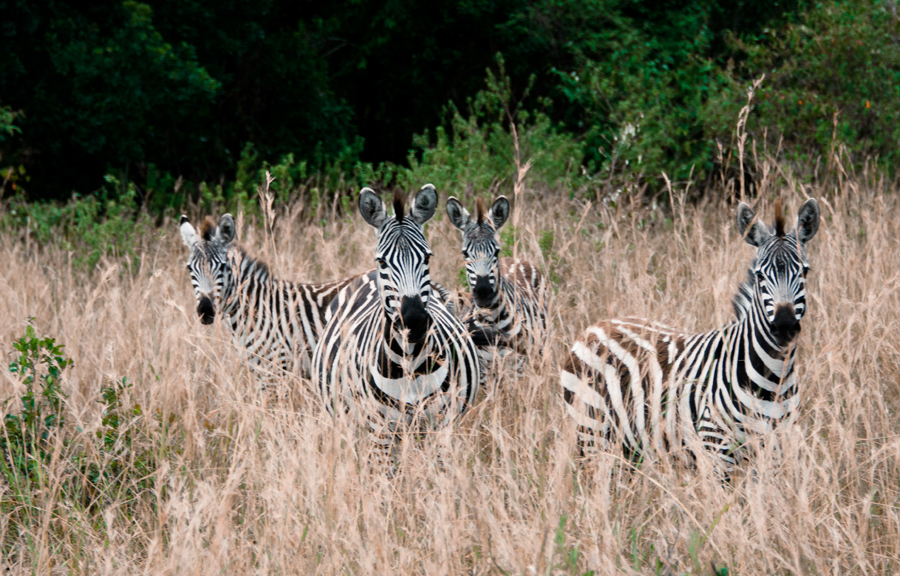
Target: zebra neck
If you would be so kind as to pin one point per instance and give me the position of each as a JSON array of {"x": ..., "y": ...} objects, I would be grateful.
[
  {"x": 394, "y": 345},
  {"x": 765, "y": 367},
  {"x": 397, "y": 359},
  {"x": 245, "y": 276}
]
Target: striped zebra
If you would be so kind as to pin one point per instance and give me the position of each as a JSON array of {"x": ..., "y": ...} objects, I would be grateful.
[
  {"x": 508, "y": 295},
  {"x": 392, "y": 354},
  {"x": 276, "y": 323},
  {"x": 655, "y": 388}
]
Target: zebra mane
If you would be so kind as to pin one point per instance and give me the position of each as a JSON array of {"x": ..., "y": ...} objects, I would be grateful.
[
  {"x": 743, "y": 300},
  {"x": 399, "y": 206},
  {"x": 779, "y": 219},
  {"x": 254, "y": 260},
  {"x": 479, "y": 211},
  {"x": 207, "y": 228}
]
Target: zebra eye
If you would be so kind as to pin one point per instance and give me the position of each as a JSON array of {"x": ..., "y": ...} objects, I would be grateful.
[{"x": 466, "y": 254}]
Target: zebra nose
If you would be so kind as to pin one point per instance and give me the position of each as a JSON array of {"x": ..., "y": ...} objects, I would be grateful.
[
  {"x": 205, "y": 310},
  {"x": 785, "y": 325},
  {"x": 483, "y": 291},
  {"x": 414, "y": 317}
]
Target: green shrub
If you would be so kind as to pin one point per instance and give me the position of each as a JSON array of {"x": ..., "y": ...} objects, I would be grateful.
[
  {"x": 26, "y": 442},
  {"x": 474, "y": 152},
  {"x": 840, "y": 57},
  {"x": 43, "y": 461},
  {"x": 107, "y": 223}
]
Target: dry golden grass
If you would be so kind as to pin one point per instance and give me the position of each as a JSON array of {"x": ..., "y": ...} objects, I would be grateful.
[{"x": 251, "y": 485}]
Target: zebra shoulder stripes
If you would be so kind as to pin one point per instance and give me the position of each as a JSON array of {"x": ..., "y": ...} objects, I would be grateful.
[
  {"x": 273, "y": 321},
  {"x": 652, "y": 387},
  {"x": 508, "y": 295},
  {"x": 392, "y": 354}
]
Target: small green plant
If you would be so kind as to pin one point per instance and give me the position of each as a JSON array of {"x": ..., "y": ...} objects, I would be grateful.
[
  {"x": 26, "y": 443},
  {"x": 569, "y": 555},
  {"x": 507, "y": 240},
  {"x": 125, "y": 469},
  {"x": 545, "y": 243},
  {"x": 43, "y": 461},
  {"x": 8, "y": 127}
]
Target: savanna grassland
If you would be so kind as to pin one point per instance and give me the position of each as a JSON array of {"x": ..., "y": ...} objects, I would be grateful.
[{"x": 202, "y": 473}]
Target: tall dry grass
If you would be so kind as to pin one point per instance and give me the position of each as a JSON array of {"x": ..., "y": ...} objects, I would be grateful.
[{"x": 247, "y": 484}]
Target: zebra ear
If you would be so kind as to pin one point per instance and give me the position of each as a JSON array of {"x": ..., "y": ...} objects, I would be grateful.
[
  {"x": 188, "y": 234},
  {"x": 808, "y": 221},
  {"x": 226, "y": 229},
  {"x": 459, "y": 216},
  {"x": 424, "y": 205},
  {"x": 372, "y": 208},
  {"x": 754, "y": 233},
  {"x": 499, "y": 212}
]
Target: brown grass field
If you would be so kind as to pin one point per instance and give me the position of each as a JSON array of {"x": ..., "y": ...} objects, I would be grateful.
[{"x": 247, "y": 483}]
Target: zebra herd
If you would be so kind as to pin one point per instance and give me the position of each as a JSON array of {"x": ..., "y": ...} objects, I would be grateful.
[{"x": 397, "y": 352}]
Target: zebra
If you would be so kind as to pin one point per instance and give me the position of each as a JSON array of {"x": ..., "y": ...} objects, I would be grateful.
[
  {"x": 508, "y": 295},
  {"x": 655, "y": 388},
  {"x": 276, "y": 323},
  {"x": 392, "y": 354}
]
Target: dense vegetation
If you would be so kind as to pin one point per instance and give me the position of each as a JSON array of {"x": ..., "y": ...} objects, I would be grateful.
[{"x": 216, "y": 91}]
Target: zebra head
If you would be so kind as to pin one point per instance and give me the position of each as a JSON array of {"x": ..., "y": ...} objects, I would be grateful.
[
  {"x": 402, "y": 255},
  {"x": 208, "y": 261},
  {"x": 776, "y": 284},
  {"x": 480, "y": 246}
]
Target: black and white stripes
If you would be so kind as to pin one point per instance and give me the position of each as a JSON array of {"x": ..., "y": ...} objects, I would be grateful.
[
  {"x": 392, "y": 353},
  {"x": 275, "y": 323},
  {"x": 651, "y": 387}
]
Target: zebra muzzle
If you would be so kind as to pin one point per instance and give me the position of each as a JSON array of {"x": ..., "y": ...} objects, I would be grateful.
[
  {"x": 785, "y": 325},
  {"x": 205, "y": 310},
  {"x": 483, "y": 292},
  {"x": 415, "y": 318}
]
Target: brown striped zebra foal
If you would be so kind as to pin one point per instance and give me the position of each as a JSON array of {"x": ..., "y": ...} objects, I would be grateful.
[
  {"x": 652, "y": 387},
  {"x": 275, "y": 323},
  {"x": 508, "y": 295}
]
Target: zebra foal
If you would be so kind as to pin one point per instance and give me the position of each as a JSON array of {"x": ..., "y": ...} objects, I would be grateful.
[
  {"x": 392, "y": 354},
  {"x": 652, "y": 387},
  {"x": 508, "y": 295},
  {"x": 276, "y": 323}
]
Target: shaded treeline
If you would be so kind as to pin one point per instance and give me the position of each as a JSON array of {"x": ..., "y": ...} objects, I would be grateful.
[{"x": 182, "y": 88}]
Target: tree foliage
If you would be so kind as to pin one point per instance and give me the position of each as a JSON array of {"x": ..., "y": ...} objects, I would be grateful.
[{"x": 215, "y": 91}]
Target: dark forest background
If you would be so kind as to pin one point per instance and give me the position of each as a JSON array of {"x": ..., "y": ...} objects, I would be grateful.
[{"x": 177, "y": 99}]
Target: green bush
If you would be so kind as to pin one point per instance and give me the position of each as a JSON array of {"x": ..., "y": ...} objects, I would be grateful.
[
  {"x": 841, "y": 57},
  {"x": 107, "y": 223},
  {"x": 644, "y": 83},
  {"x": 475, "y": 152},
  {"x": 43, "y": 461},
  {"x": 26, "y": 442}
]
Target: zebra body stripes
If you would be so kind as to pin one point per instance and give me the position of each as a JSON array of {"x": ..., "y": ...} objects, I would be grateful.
[
  {"x": 508, "y": 295},
  {"x": 275, "y": 323},
  {"x": 655, "y": 388},
  {"x": 393, "y": 354}
]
